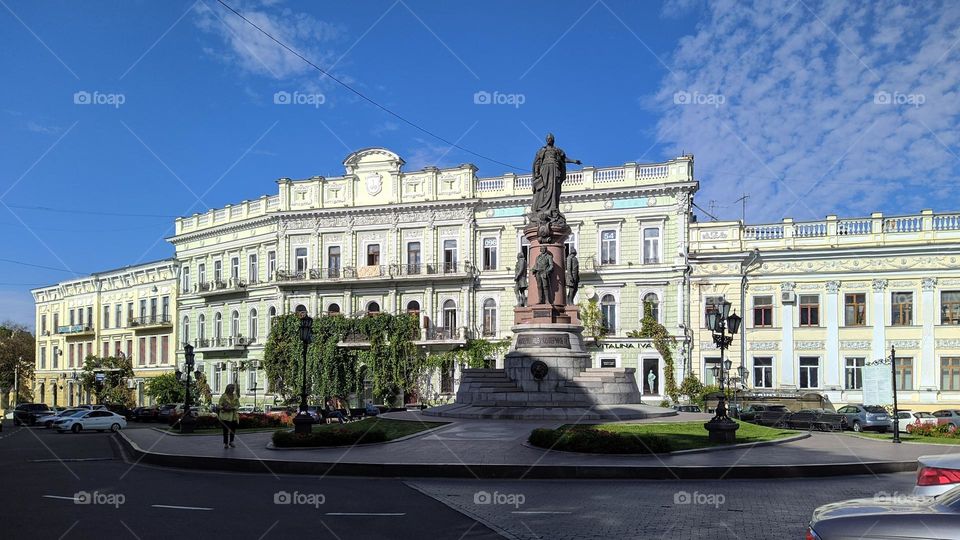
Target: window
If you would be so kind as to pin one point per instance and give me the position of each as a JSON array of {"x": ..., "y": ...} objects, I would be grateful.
[
  {"x": 56, "y": 322},
  {"x": 235, "y": 324},
  {"x": 185, "y": 330},
  {"x": 855, "y": 309},
  {"x": 90, "y": 316},
  {"x": 525, "y": 247},
  {"x": 300, "y": 259},
  {"x": 43, "y": 324},
  {"x": 373, "y": 308},
  {"x": 333, "y": 261},
  {"x": 568, "y": 244},
  {"x": 201, "y": 273},
  {"x": 763, "y": 372},
  {"x": 69, "y": 356},
  {"x": 142, "y": 357},
  {"x": 950, "y": 307},
  {"x": 143, "y": 310},
  {"x": 106, "y": 349},
  {"x": 272, "y": 313},
  {"x": 489, "y": 317},
  {"x": 413, "y": 257},
  {"x": 608, "y": 247},
  {"x": 333, "y": 309},
  {"x": 73, "y": 319},
  {"x": 217, "y": 271},
  {"x": 449, "y": 255},
  {"x": 165, "y": 308},
  {"x": 106, "y": 316},
  {"x": 413, "y": 308},
  {"x": 854, "y": 374},
  {"x": 450, "y": 317},
  {"x": 489, "y": 253},
  {"x": 271, "y": 264},
  {"x": 217, "y": 326},
  {"x": 608, "y": 308},
  {"x": 164, "y": 349},
  {"x": 809, "y": 310},
  {"x": 252, "y": 325},
  {"x": 949, "y": 372},
  {"x": 153, "y": 310},
  {"x": 708, "y": 364},
  {"x": 651, "y": 304},
  {"x": 901, "y": 304},
  {"x": 235, "y": 267},
  {"x": 43, "y": 357},
  {"x": 129, "y": 348},
  {"x": 217, "y": 377},
  {"x": 252, "y": 379},
  {"x": 153, "y": 349},
  {"x": 711, "y": 304},
  {"x": 809, "y": 372},
  {"x": 253, "y": 272},
  {"x": 447, "y": 375},
  {"x": 185, "y": 279},
  {"x": 373, "y": 254},
  {"x": 129, "y": 313},
  {"x": 651, "y": 245},
  {"x": 762, "y": 311},
  {"x": 904, "y": 373}
]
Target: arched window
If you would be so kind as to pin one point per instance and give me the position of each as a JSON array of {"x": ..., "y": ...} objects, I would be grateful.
[
  {"x": 608, "y": 307},
  {"x": 235, "y": 324},
  {"x": 272, "y": 314},
  {"x": 217, "y": 326},
  {"x": 450, "y": 318},
  {"x": 185, "y": 330},
  {"x": 373, "y": 308},
  {"x": 651, "y": 302},
  {"x": 300, "y": 308},
  {"x": 413, "y": 307},
  {"x": 201, "y": 327},
  {"x": 333, "y": 309},
  {"x": 489, "y": 317},
  {"x": 252, "y": 324}
]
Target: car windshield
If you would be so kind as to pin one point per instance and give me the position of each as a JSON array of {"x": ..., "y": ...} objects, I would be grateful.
[
  {"x": 876, "y": 409},
  {"x": 924, "y": 415},
  {"x": 77, "y": 413},
  {"x": 950, "y": 499}
]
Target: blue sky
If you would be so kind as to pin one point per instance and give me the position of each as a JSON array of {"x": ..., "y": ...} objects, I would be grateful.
[{"x": 811, "y": 108}]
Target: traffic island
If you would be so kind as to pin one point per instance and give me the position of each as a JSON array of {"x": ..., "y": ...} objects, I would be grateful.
[{"x": 367, "y": 431}]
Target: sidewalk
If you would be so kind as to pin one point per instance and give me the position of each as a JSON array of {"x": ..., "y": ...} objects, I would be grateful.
[{"x": 495, "y": 449}]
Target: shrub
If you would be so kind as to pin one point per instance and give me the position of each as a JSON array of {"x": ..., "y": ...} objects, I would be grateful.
[
  {"x": 247, "y": 421},
  {"x": 946, "y": 431},
  {"x": 327, "y": 437},
  {"x": 599, "y": 441}
]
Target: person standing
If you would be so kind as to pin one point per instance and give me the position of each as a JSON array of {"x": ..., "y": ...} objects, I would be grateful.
[{"x": 227, "y": 414}]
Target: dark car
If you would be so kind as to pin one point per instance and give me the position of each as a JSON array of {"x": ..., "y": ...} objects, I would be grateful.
[
  {"x": 751, "y": 412},
  {"x": 122, "y": 410},
  {"x": 145, "y": 414},
  {"x": 885, "y": 517},
  {"x": 166, "y": 411},
  {"x": 820, "y": 419},
  {"x": 687, "y": 408},
  {"x": 27, "y": 413}
]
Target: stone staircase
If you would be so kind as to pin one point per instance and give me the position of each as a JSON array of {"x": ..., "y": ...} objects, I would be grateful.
[
  {"x": 493, "y": 388},
  {"x": 608, "y": 386}
]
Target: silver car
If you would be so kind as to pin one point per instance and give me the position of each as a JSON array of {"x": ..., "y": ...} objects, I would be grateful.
[
  {"x": 937, "y": 475},
  {"x": 888, "y": 518},
  {"x": 869, "y": 417}
]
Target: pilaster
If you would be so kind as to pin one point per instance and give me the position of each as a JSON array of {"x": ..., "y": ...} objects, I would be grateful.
[
  {"x": 928, "y": 360},
  {"x": 878, "y": 320},
  {"x": 832, "y": 378}
]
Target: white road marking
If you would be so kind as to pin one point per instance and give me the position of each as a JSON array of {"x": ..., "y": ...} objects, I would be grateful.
[
  {"x": 537, "y": 512},
  {"x": 180, "y": 507},
  {"x": 366, "y": 513},
  {"x": 60, "y": 497}
]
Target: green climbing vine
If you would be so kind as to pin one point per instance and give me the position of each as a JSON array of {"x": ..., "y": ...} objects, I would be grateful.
[
  {"x": 650, "y": 328},
  {"x": 474, "y": 354},
  {"x": 591, "y": 317}
]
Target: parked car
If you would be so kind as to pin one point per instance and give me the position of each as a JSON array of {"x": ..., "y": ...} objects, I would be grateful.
[
  {"x": 48, "y": 420},
  {"x": 752, "y": 412},
  {"x": 910, "y": 418},
  {"x": 948, "y": 416},
  {"x": 145, "y": 414},
  {"x": 91, "y": 407},
  {"x": 687, "y": 408},
  {"x": 122, "y": 410},
  {"x": 937, "y": 474},
  {"x": 906, "y": 517},
  {"x": 820, "y": 419},
  {"x": 870, "y": 417},
  {"x": 27, "y": 413},
  {"x": 249, "y": 409},
  {"x": 166, "y": 411},
  {"x": 100, "y": 420}
]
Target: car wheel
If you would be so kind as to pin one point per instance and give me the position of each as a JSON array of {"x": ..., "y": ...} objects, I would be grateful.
[
  {"x": 48, "y": 424},
  {"x": 76, "y": 428},
  {"x": 882, "y": 430},
  {"x": 60, "y": 431},
  {"x": 115, "y": 428},
  {"x": 857, "y": 427}
]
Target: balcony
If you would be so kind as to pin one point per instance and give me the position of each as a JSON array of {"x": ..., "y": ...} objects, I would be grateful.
[
  {"x": 436, "y": 338},
  {"x": 150, "y": 321},
  {"x": 222, "y": 344},
  {"x": 218, "y": 288},
  {"x": 375, "y": 272},
  {"x": 75, "y": 330}
]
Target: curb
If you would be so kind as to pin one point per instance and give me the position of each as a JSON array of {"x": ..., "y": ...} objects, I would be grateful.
[
  {"x": 791, "y": 438},
  {"x": 270, "y": 445},
  {"x": 511, "y": 472},
  {"x": 902, "y": 442}
]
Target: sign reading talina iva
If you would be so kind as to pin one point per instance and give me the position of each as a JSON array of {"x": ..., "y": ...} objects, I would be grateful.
[{"x": 543, "y": 341}]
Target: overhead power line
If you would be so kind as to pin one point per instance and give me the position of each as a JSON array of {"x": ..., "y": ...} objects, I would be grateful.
[
  {"x": 89, "y": 212},
  {"x": 364, "y": 96},
  {"x": 21, "y": 263}
]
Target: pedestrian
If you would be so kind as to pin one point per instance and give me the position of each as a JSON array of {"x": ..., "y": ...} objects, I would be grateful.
[
  {"x": 333, "y": 412},
  {"x": 227, "y": 414},
  {"x": 371, "y": 409}
]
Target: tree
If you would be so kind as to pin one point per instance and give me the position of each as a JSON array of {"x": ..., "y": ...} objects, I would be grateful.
[
  {"x": 16, "y": 359},
  {"x": 113, "y": 373},
  {"x": 650, "y": 328},
  {"x": 167, "y": 388},
  {"x": 591, "y": 316}
]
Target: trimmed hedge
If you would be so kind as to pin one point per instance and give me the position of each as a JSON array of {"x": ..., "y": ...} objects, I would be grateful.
[
  {"x": 327, "y": 437},
  {"x": 598, "y": 441}
]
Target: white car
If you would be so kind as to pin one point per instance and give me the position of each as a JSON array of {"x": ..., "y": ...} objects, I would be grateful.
[
  {"x": 906, "y": 418},
  {"x": 937, "y": 474},
  {"x": 47, "y": 420},
  {"x": 99, "y": 420}
]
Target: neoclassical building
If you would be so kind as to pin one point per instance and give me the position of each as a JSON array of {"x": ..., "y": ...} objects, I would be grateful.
[
  {"x": 128, "y": 311},
  {"x": 441, "y": 243},
  {"x": 829, "y": 296}
]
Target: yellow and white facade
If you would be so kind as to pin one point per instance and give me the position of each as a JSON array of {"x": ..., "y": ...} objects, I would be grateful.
[
  {"x": 127, "y": 311},
  {"x": 828, "y": 296}
]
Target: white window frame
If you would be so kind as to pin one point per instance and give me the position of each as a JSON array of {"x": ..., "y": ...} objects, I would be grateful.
[
  {"x": 306, "y": 258},
  {"x": 496, "y": 252},
  {"x": 773, "y": 371},
  {"x": 253, "y": 324},
  {"x": 496, "y": 318},
  {"x": 271, "y": 264},
  {"x": 659, "y": 293},
  {"x": 643, "y": 242},
  {"x": 616, "y": 309},
  {"x": 218, "y": 270},
  {"x": 819, "y": 372},
  {"x": 381, "y": 253},
  {"x": 253, "y": 267},
  {"x": 616, "y": 246}
]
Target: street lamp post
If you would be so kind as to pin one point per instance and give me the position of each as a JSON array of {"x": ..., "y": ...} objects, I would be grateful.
[
  {"x": 721, "y": 427},
  {"x": 893, "y": 372},
  {"x": 16, "y": 381},
  {"x": 187, "y": 421},
  {"x": 302, "y": 422}
]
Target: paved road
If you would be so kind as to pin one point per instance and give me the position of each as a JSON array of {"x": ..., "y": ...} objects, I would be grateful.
[{"x": 43, "y": 471}]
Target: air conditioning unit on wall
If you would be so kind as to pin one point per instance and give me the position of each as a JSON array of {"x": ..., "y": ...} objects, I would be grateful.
[{"x": 788, "y": 297}]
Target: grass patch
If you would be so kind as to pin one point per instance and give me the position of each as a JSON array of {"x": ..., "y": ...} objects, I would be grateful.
[
  {"x": 650, "y": 438},
  {"x": 906, "y": 437},
  {"x": 366, "y": 431}
]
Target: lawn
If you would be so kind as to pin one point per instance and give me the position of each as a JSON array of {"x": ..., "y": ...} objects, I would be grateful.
[
  {"x": 906, "y": 437},
  {"x": 645, "y": 438},
  {"x": 366, "y": 431}
]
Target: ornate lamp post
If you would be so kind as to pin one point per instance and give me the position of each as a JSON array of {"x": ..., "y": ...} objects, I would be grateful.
[
  {"x": 303, "y": 422},
  {"x": 720, "y": 322},
  {"x": 187, "y": 421}
]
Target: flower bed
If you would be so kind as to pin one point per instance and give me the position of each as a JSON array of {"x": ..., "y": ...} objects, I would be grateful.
[
  {"x": 941, "y": 431},
  {"x": 247, "y": 421}
]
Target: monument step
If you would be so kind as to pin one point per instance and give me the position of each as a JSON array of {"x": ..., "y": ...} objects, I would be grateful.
[
  {"x": 497, "y": 384},
  {"x": 480, "y": 371},
  {"x": 531, "y": 404},
  {"x": 607, "y": 370}
]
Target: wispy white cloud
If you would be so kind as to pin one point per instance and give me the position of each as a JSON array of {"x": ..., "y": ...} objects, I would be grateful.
[
  {"x": 818, "y": 107},
  {"x": 384, "y": 127},
  {"x": 37, "y": 127}
]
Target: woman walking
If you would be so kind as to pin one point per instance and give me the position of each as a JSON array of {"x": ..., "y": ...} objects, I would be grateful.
[{"x": 227, "y": 413}]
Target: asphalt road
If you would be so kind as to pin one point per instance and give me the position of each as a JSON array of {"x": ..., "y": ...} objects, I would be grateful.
[{"x": 44, "y": 473}]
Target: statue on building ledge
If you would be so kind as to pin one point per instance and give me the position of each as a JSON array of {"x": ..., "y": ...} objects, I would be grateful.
[{"x": 549, "y": 172}]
